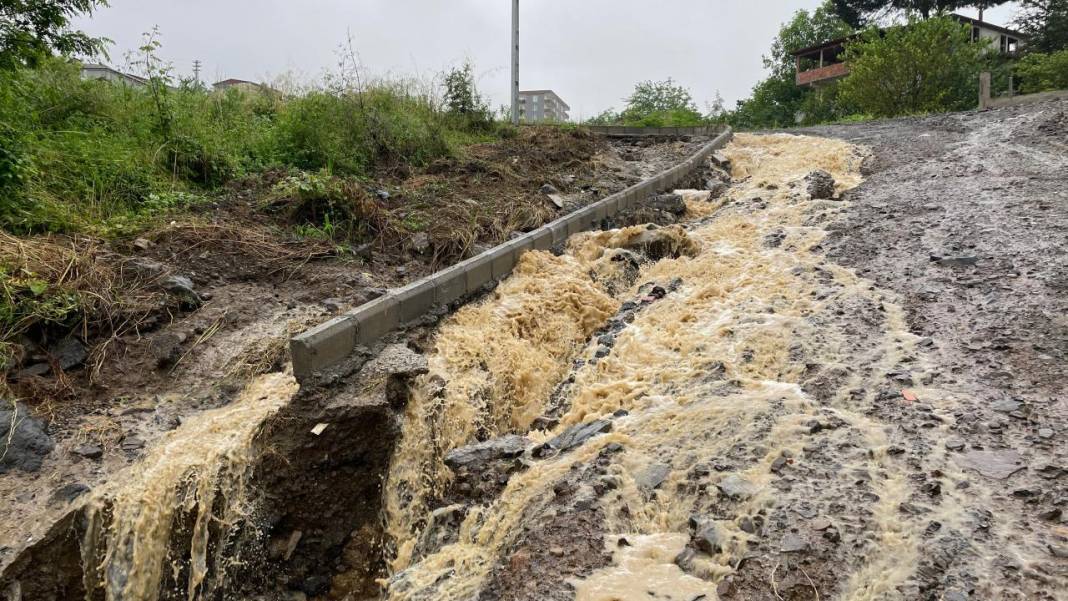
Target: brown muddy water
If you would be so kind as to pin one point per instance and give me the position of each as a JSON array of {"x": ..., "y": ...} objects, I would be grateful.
[{"x": 735, "y": 371}]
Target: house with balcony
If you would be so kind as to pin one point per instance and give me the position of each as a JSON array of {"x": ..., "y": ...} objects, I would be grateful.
[{"x": 824, "y": 63}]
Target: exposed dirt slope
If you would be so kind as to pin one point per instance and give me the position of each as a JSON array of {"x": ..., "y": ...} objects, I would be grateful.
[{"x": 92, "y": 403}]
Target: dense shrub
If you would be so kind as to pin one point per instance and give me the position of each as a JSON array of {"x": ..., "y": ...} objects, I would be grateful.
[
  {"x": 924, "y": 66},
  {"x": 1040, "y": 72}
]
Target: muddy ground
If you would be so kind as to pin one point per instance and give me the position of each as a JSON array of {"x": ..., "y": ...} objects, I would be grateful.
[
  {"x": 801, "y": 394},
  {"x": 89, "y": 406},
  {"x": 921, "y": 455},
  {"x": 965, "y": 218}
]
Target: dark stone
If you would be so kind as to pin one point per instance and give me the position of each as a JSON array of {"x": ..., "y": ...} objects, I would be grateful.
[
  {"x": 69, "y": 353},
  {"x": 131, "y": 443},
  {"x": 716, "y": 188},
  {"x": 549, "y": 189},
  {"x": 89, "y": 451},
  {"x": 573, "y": 437},
  {"x": 181, "y": 288},
  {"x": 472, "y": 456},
  {"x": 670, "y": 203},
  {"x": 67, "y": 493},
  {"x": 793, "y": 543},
  {"x": 819, "y": 184},
  {"x": 709, "y": 539},
  {"x": 736, "y": 488},
  {"x": 653, "y": 476},
  {"x": 27, "y": 445},
  {"x": 956, "y": 261}
]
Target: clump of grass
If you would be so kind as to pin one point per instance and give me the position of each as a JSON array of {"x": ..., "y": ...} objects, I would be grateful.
[{"x": 50, "y": 287}]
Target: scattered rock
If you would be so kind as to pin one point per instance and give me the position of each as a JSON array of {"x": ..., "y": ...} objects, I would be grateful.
[
  {"x": 556, "y": 199},
  {"x": 67, "y": 493},
  {"x": 26, "y": 445},
  {"x": 955, "y": 261},
  {"x": 421, "y": 243},
  {"x": 737, "y": 488},
  {"x": 131, "y": 443},
  {"x": 820, "y": 524},
  {"x": 181, "y": 288},
  {"x": 146, "y": 269},
  {"x": 69, "y": 353},
  {"x": 89, "y": 451},
  {"x": 166, "y": 347},
  {"x": 443, "y": 528},
  {"x": 472, "y": 456},
  {"x": 997, "y": 465},
  {"x": 819, "y": 184},
  {"x": 793, "y": 543},
  {"x": 652, "y": 477},
  {"x": 955, "y": 444},
  {"x": 657, "y": 243},
  {"x": 709, "y": 539},
  {"x": 142, "y": 244},
  {"x": 549, "y": 189},
  {"x": 1005, "y": 405},
  {"x": 720, "y": 160},
  {"x": 1045, "y": 433},
  {"x": 716, "y": 188},
  {"x": 573, "y": 437},
  {"x": 670, "y": 203}
]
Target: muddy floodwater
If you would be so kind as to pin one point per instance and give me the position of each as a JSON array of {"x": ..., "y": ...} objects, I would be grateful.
[{"x": 837, "y": 373}]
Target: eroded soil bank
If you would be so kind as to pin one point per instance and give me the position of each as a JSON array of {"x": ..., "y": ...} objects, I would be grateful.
[{"x": 211, "y": 300}]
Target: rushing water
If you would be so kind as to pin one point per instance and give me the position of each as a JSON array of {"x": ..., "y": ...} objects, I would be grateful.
[
  {"x": 755, "y": 312},
  {"x": 200, "y": 472}
]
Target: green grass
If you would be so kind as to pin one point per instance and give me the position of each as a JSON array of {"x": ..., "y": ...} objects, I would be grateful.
[{"x": 96, "y": 157}]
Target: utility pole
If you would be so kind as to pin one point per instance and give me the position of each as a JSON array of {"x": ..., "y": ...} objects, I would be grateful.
[
  {"x": 515, "y": 62},
  {"x": 196, "y": 71}
]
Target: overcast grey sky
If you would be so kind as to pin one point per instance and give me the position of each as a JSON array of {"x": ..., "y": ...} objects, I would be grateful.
[{"x": 591, "y": 52}]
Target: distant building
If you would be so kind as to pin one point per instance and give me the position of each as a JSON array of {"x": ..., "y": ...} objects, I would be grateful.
[
  {"x": 824, "y": 63},
  {"x": 95, "y": 71},
  {"x": 239, "y": 84},
  {"x": 539, "y": 106}
]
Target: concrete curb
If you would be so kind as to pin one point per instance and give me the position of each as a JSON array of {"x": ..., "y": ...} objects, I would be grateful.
[{"x": 328, "y": 344}]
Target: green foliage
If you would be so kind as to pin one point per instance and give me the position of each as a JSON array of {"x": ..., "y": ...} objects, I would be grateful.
[
  {"x": 1046, "y": 24},
  {"x": 654, "y": 104},
  {"x": 103, "y": 157},
  {"x": 778, "y": 101},
  {"x": 31, "y": 30},
  {"x": 863, "y": 13},
  {"x": 1040, "y": 72},
  {"x": 660, "y": 104},
  {"x": 462, "y": 98},
  {"x": 924, "y": 66}
]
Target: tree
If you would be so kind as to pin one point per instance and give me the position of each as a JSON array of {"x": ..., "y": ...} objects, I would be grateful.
[
  {"x": 463, "y": 99},
  {"x": 861, "y": 13},
  {"x": 923, "y": 66},
  {"x": 1046, "y": 24},
  {"x": 777, "y": 100},
  {"x": 660, "y": 104},
  {"x": 31, "y": 29}
]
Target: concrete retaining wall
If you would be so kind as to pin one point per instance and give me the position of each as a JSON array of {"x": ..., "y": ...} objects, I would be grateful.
[{"x": 329, "y": 343}]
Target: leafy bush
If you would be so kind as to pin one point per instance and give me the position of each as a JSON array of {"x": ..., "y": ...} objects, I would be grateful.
[
  {"x": 924, "y": 66},
  {"x": 1037, "y": 72}
]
